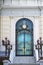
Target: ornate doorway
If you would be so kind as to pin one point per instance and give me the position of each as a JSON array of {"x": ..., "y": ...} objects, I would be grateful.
[{"x": 24, "y": 37}]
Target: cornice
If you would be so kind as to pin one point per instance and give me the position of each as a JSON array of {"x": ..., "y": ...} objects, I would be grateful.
[
  {"x": 20, "y": 7},
  {"x": 21, "y": 10}
]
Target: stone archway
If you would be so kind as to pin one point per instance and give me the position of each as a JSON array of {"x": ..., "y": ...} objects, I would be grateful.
[{"x": 13, "y": 33}]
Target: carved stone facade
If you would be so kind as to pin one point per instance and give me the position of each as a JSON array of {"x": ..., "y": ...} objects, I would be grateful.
[{"x": 13, "y": 10}]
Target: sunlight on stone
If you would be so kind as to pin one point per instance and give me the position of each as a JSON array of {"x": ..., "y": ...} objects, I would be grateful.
[
  {"x": 12, "y": 54},
  {"x": 36, "y": 52}
]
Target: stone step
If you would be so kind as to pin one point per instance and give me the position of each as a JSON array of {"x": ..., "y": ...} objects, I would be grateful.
[
  {"x": 24, "y": 64},
  {"x": 24, "y": 60}
]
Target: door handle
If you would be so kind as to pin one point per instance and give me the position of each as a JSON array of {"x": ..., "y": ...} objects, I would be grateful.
[{"x": 24, "y": 49}]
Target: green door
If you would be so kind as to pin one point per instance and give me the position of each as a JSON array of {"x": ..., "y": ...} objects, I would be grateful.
[
  {"x": 28, "y": 44},
  {"x": 24, "y": 43},
  {"x": 24, "y": 37},
  {"x": 20, "y": 44}
]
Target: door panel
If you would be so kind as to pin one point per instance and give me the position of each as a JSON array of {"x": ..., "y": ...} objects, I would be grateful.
[
  {"x": 28, "y": 44},
  {"x": 20, "y": 44},
  {"x": 24, "y": 47}
]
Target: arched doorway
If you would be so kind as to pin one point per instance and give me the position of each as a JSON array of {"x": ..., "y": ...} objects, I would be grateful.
[{"x": 24, "y": 37}]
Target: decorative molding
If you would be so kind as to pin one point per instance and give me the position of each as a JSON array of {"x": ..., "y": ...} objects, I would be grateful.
[
  {"x": 23, "y": 9},
  {"x": 21, "y": 12}
]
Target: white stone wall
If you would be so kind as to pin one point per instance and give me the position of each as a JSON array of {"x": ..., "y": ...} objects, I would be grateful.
[
  {"x": 0, "y": 29},
  {"x": 5, "y": 30},
  {"x": 0, "y": 32},
  {"x": 5, "y": 27},
  {"x": 42, "y": 27}
]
